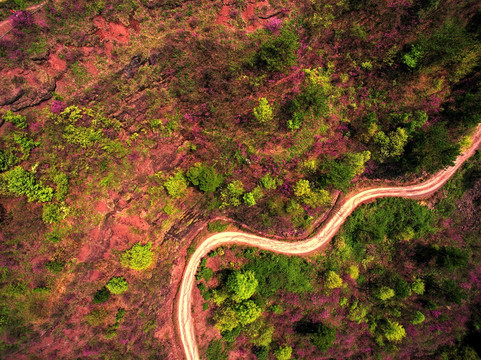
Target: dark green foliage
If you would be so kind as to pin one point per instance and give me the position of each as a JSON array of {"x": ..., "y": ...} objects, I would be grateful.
[
  {"x": 430, "y": 150},
  {"x": 232, "y": 335},
  {"x": 402, "y": 288},
  {"x": 279, "y": 52},
  {"x": 452, "y": 257},
  {"x": 453, "y": 292},
  {"x": 262, "y": 353},
  {"x": 336, "y": 173},
  {"x": 204, "y": 177},
  {"x": 323, "y": 337},
  {"x": 101, "y": 296},
  {"x": 466, "y": 109},
  {"x": 54, "y": 266},
  {"x": 312, "y": 101},
  {"x": 216, "y": 351},
  {"x": 275, "y": 272},
  {"x": 387, "y": 218},
  {"x": 7, "y": 159},
  {"x": 22, "y": 182},
  {"x": 447, "y": 43}
]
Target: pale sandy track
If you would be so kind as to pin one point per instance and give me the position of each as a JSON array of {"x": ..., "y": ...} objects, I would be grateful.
[{"x": 333, "y": 223}]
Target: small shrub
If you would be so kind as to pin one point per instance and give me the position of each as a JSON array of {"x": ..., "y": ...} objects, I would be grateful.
[
  {"x": 97, "y": 317},
  {"x": 418, "y": 318},
  {"x": 176, "y": 185},
  {"x": 51, "y": 213},
  {"x": 117, "y": 285},
  {"x": 138, "y": 257},
  {"x": 101, "y": 296},
  {"x": 263, "y": 112},
  {"x": 54, "y": 266}
]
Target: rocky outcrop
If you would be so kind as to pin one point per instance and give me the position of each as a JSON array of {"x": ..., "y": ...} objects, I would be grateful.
[
  {"x": 130, "y": 70},
  {"x": 34, "y": 97},
  {"x": 21, "y": 98}
]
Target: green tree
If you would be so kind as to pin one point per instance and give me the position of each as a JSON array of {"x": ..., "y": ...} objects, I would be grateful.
[
  {"x": 391, "y": 146},
  {"x": 204, "y": 177},
  {"x": 242, "y": 285},
  {"x": 259, "y": 333},
  {"x": 231, "y": 195},
  {"x": 176, "y": 185},
  {"x": 394, "y": 331},
  {"x": 418, "y": 318},
  {"x": 249, "y": 199},
  {"x": 385, "y": 293},
  {"x": 263, "y": 112},
  {"x": 138, "y": 257},
  {"x": 269, "y": 182},
  {"x": 413, "y": 58},
  {"x": 418, "y": 286},
  {"x": 356, "y": 161},
  {"x": 333, "y": 280},
  {"x": 283, "y": 352},
  {"x": 226, "y": 319},
  {"x": 117, "y": 285},
  {"x": 247, "y": 312}
]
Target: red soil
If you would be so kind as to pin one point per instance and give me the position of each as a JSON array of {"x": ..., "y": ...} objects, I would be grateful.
[
  {"x": 110, "y": 32},
  {"x": 56, "y": 63}
]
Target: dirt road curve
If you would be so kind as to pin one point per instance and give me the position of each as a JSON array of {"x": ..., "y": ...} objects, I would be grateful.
[{"x": 331, "y": 226}]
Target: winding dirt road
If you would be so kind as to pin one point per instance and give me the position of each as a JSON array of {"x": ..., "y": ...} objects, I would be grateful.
[{"x": 333, "y": 223}]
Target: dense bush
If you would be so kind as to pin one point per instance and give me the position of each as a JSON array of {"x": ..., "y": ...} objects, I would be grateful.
[
  {"x": 205, "y": 177},
  {"x": 52, "y": 213},
  {"x": 274, "y": 272},
  {"x": 138, "y": 257},
  {"x": 430, "y": 150},
  {"x": 22, "y": 182},
  {"x": 279, "y": 52}
]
